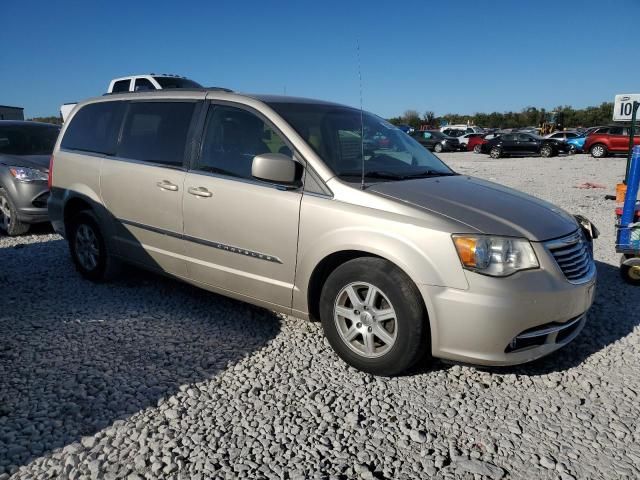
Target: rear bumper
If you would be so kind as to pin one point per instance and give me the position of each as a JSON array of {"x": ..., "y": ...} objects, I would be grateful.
[{"x": 506, "y": 321}]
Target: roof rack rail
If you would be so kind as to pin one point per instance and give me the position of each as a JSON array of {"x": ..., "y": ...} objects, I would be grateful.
[{"x": 203, "y": 89}]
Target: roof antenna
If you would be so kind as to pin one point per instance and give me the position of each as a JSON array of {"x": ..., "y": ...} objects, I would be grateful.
[{"x": 362, "y": 185}]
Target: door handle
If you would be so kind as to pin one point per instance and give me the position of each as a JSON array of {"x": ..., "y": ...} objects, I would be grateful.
[
  {"x": 199, "y": 192},
  {"x": 167, "y": 185}
]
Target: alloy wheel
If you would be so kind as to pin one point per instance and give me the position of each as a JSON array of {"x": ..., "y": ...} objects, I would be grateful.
[
  {"x": 598, "y": 151},
  {"x": 86, "y": 247},
  {"x": 365, "y": 319}
]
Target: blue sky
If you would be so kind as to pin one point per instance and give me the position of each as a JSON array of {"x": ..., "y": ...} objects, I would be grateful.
[{"x": 458, "y": 56}]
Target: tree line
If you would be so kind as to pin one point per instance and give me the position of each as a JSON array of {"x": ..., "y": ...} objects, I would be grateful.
[{"x": 529, "y": 116}]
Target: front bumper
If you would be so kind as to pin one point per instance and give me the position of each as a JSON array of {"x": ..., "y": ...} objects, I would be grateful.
[
  {"x": 30, "y": 200},
  {"x": 507, "y": 321}
]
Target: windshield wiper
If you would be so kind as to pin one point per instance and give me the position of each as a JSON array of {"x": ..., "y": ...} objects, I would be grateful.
[{"x": 429, "y": 173}]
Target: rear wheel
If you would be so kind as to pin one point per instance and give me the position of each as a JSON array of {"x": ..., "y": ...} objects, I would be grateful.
[
  {"x": 599, "y": 150},
  {"x": 546, "y": 151},
  {"x": 495, "y": 152},
  {"x": 9, "y": 222},
  {"x": 88, "y": 249},
  {"x": 477, "y": 149},
  {"x": 572, "y": 150},
  {"x": 373, "y": 316},
  {"x": 437, "y": 148}
]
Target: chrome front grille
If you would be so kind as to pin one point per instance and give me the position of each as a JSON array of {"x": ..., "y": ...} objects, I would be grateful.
[{"x": 573, "y": 256}]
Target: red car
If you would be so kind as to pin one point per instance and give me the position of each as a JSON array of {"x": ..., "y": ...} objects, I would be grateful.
[
  {"x": 476, "y": 143},
  {"x": 606, "y": 140}
]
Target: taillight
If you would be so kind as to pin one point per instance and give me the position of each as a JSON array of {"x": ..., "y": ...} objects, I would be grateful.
[{"x": 50, "y": 178}]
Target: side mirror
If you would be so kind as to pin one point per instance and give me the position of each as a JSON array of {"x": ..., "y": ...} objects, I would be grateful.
[{"x": 276, "y": 168}]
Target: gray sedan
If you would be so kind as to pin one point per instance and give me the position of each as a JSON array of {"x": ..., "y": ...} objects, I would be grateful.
[{"x": 25, "y": 150}]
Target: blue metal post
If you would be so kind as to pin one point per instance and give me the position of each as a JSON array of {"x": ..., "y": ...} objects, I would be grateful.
[{"x": 629, "y": 208}]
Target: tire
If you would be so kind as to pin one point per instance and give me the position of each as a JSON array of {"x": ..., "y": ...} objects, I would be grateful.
[
  {"x": 9, "y": 222},
  {"x": 477, "y": 149},
  {"x": 437, "y": 148},
  {"x": 88, "y": 249},
  {"x": 572, "y": 150},
  {"x": 546, "y": 151},
  {"x": 599, "y": 150},
  {"x": 630, "y": 274},
  {"x": 495, "y": 152},
  {"x": 404, "y": 334}
]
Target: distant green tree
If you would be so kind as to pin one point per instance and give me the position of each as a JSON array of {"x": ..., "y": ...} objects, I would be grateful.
[
  {"x": 52, "y": 119},
  {"x": 529, "y": 116}
]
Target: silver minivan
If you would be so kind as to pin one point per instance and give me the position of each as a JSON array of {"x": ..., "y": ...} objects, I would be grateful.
[{"x": 325, "y": 212}]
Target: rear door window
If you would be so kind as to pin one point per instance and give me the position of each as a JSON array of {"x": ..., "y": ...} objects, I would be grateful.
[
  {"x": 95, "y": 128},
  {"x": 616, "y": 131},
  {"x": 156, "y": 132}
]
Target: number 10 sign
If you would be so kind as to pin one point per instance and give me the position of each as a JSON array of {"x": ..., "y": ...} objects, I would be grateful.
[{"x": 623, "y": 107}]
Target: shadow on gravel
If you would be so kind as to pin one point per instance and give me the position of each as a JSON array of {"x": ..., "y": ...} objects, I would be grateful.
[{"x": 75, "y": 356}]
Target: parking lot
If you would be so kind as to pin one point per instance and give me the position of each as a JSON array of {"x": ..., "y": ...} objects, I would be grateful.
[{"x": 147, "y": 377}]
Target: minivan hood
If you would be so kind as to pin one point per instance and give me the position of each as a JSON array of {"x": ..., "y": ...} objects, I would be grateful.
[
  {"x": 485, "y": 206},
  {"x": 39, "y": 162}
]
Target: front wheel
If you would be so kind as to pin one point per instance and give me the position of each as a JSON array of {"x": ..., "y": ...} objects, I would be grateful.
[
  {"x": 572, "y": 150},
  {"x": 373, "y": 316},
  {"x": 477, "y": 149},
  {"x": 437, "y": 148},
  {"x": 88, "y": 249},
  {"x": 599, "y": 151}
]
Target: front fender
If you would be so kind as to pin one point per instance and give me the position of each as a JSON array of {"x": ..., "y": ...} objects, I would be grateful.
[{"x": 427, "y": 256}]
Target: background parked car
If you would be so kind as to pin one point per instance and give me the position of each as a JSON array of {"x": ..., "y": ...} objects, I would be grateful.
[
  {"x": 562, "y": 135},
  {"x": 465, "y": 128},
  {"x": 576, "y": 144},
  {"x": 607, "y": 140},
  {"x": 477, "y": 144},
  {"x": 464, "y": 139},
  {"x": 436, "y": 141},
  {"x": 525, "y": 143},
  {"x": 25, "y": 150}
]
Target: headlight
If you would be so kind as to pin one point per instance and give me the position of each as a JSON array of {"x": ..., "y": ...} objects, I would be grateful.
[
  {"x": 28, "y": 174},
  {"x": 495, "y": 256}
]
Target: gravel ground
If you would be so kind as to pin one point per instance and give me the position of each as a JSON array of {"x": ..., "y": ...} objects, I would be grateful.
[{"x": 150, "y": 378}]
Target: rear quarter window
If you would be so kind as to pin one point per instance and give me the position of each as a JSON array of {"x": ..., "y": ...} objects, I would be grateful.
[{"x": 94, "y": 128}]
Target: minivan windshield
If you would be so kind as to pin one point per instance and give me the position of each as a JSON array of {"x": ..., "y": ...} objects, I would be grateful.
[
  {"x": 28, "y": 139},
  {"x": 335, "y": 133}
]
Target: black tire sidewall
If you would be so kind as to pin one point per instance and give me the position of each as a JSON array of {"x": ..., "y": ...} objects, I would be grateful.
[
  {"x": 412, "y": 341},
  {"x": 88, "y": 218}
]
